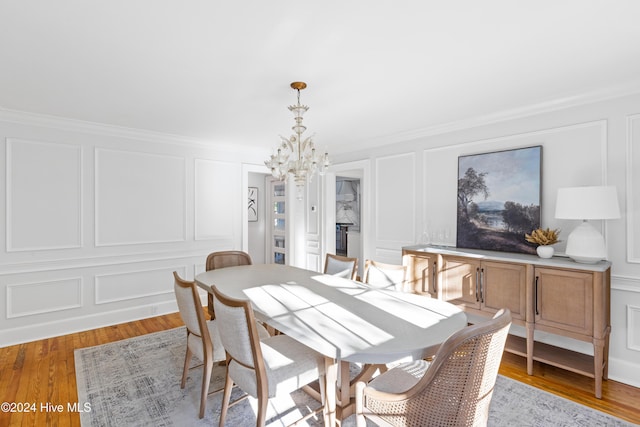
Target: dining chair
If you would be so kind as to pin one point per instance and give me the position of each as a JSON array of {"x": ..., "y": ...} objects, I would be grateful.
[
  {"x": 341, "y": 266},
  {"x": 454, "y": 389},
  {"x": 222, "y": 259},
  {"x": 203, "y": 337},
  {"x": 262, "y": 368},
  {"x": 381, "y": 275}
]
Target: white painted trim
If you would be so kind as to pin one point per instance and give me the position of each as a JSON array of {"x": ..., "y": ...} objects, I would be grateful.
[
  {"x": 363, "y": 172},
  {"x": 633, "y": 317},
  {"x": 624, "y": 371},
  {"x": 99, "y": 300},
  {"x": 96, "y": 197},
  {"x": 632, "y": 257},
  {"x": 90, "y": 262},
  {"x": 510, "y": 114},
  {"x": 625, "y": 284},
  {"x": 11, "y": 314},
  {"x": 8, "y": 196},
  {"x": 74, "y": 125},
  {"x": 246, "y": 169},
  {"x": 48, "y": 328}
]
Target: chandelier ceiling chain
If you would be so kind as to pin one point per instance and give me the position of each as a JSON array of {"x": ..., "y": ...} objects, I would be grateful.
[{"x": 297, "y": 156}]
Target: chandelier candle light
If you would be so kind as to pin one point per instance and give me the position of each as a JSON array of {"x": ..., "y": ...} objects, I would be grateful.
[{"x": 297, "y": 156}]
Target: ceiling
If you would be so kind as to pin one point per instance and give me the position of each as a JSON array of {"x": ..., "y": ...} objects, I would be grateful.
[{"x": 219, "y": 71}]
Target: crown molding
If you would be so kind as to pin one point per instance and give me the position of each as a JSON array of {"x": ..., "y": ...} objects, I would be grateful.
[
  {"x": 590, "y": 97},
  {"x": 74, "y": 125}
]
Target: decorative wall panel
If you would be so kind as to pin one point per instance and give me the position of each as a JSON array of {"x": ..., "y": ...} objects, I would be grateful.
[
  {"x": 633, "y": 327},
  {"x": 134, "y": 284},
  {"x": 217, "y": 199},
  {"x": 44, "y": 195},
  {"x": 26, "y": 299},
  {"x": 633, "y": 188},
  {"x": 394, "y": 199},
  {"x": 140, "y": 198}
]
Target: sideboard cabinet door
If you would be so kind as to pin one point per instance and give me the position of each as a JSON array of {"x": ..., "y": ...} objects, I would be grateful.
[
  {"x": 563, "y": 299},
  {"x": 504, "y": 285},
  {"x": 460, "y": 281},
  {"x": 422, "y": 273}
]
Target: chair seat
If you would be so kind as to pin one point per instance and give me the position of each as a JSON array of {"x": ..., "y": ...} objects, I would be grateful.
[
  {"x": 400, "y": 378},
  {"x": 289, "y": 366}
]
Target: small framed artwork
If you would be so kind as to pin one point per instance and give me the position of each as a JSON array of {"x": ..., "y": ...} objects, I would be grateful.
[
  {"x": 499, "y": 199},
  {"x": 253, "y": 204}
]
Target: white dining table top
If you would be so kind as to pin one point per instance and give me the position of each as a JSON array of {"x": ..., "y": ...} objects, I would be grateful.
[{"x": 340, "y": 318}]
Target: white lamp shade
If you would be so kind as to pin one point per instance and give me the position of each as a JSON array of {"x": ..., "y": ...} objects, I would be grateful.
[{"x": 600, "y": 202}]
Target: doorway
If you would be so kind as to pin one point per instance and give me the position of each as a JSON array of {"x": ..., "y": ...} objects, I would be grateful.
[
  {"x": 348, "y": 216},
  {"x": 352, "y": 207}
]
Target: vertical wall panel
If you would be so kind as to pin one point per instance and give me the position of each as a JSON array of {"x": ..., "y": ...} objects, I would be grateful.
[
  {"x": 394, "y": 199},
  {"x": 633, "y": 327},
  {"x": 140, "y": 198},
  {"x": 217, "y": 199},
  {"x": 633, "y": 188},
  {"x": 44, "y": 195}
]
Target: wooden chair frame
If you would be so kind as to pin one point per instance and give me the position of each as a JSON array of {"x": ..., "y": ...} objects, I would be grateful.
[
  {"x": 341, "y": 259},
  {"x": 222, "y": 259},
  {"x": 207, "y": 345},
  {"x": 259, "y": 367}
]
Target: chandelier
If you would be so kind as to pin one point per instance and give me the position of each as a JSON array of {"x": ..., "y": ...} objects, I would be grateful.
[{"x": 297, "y": 156}]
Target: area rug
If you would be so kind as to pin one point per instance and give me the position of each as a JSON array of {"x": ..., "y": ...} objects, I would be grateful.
[{"x": 136, "y": 382}]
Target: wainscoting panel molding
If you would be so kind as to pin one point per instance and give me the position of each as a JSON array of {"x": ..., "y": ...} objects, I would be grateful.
[
  {"x": 217, "y": 199},
  {"x": 633, "y": 188},
  {"x": 395, "y": 178},
  {"x": 633, "y": 327},
  {"x": 27, "y": 299},
  {"x": 44, "y": 195},
  {"x": 140, "y": 198},
  {"x": 134, "y": 284}
]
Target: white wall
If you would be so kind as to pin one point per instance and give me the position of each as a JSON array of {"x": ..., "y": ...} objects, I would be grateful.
[
  {"x": 415, "y": 186},
  {"x": 95, "y": 219}
]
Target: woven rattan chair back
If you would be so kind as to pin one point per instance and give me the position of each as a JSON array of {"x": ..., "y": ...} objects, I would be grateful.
[{"x": 456, "y": 388}]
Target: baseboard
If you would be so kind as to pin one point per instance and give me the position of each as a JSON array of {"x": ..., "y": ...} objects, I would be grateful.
[
  {"x": 624, "y": 371},
  {"x": 51, "y": 329}
]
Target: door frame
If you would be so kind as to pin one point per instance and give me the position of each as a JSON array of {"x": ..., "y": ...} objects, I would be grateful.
[{"x": 361, "y": 170}]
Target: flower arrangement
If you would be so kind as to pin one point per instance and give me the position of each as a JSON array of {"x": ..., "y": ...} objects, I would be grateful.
[{"x": 543, "y": 237}]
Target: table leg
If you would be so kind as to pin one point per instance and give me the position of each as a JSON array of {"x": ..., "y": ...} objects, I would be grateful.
[{"x": 331, "y": 384}]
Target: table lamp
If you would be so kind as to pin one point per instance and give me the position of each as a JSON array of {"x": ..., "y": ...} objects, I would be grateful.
[{"x": 586, "y": 244}]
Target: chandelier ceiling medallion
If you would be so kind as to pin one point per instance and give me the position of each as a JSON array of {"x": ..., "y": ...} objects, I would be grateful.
[{"x": 297, "y": 156}]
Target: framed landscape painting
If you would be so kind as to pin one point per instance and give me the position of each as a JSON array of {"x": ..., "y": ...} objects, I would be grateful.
[{"x": 499, "y": 199}]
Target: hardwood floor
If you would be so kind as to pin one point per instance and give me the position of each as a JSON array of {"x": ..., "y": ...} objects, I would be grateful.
[{"x": 38, "y": 373}]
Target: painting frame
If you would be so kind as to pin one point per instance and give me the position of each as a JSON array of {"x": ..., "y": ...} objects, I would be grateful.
[
  {"x": 252, "y": 204},
  {"x": 509, "y": 182}
]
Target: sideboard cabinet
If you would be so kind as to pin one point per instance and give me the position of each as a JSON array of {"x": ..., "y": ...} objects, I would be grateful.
[{"x": 556, "y": 296}]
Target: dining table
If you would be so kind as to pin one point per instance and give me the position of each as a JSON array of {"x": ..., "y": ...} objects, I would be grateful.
[{"x": 344, "y": 320}]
